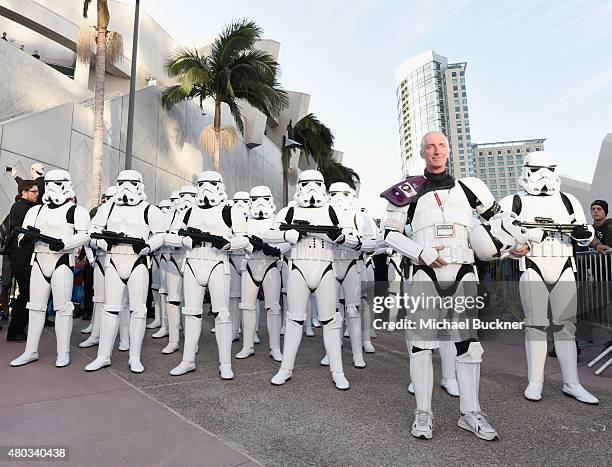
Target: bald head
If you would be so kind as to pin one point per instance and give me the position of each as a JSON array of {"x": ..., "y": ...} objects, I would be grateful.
[{"x": 435, "y": 150}]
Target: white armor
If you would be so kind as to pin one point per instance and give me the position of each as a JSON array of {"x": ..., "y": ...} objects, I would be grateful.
[
  {"x": 170, "y": 325},
  {"x": 547, "y": 273},
  {"x": 97, "y": 260},
  {"x": 52, "y": 264},
  {"x": 348, "y": 264},
  {"x": 260, "y": 271},
  {"x": 439, "y": 210},
  {"x": 311, "y": 270},
  {"x": 173, "y": 268},
  {"x": 241, "y": 201},
  {"x": 206, "y": 266},
  {"x": 126, "y": 267}
]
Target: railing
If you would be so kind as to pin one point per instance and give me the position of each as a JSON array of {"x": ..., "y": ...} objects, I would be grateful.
[{"x": 594, "y": 281}]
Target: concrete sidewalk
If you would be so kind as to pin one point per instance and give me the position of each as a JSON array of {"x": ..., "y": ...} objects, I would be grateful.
[
  {"x": 101, "y": 418},
  {"x": 106, "y": 421}
]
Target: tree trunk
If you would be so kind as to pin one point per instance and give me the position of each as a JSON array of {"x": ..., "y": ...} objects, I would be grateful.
[
  {"x": 98, "y": 132},
  {"x": 217, "y": 128}
]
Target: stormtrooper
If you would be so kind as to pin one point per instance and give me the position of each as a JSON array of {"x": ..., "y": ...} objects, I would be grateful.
[
  {"x": 261, "y": 272},
  {"x": 241, "y": 201},
  {"x": 348, "y": 264},
  {"x": 208, "y": 231},
  {"x": 159, "y": 279},
  {"x": 97, "y": 263},
  {"x": 440, "y": 211},
  {"x": 314, "y": 229},
  {"x": 173, "y": 271},
  {"x": 57, "y": 227},
  {"x": 548, "y": 272},
  {"x": 128, "y": 229}
]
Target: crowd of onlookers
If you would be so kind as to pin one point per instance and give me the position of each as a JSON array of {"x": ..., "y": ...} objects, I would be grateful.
[{"x": 35, "y": 54}]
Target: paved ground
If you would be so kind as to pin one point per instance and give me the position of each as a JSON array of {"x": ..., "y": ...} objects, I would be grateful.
[{"x": 105, "y": 420}]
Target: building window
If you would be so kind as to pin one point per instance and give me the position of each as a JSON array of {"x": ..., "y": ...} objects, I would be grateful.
[
  {"x": 537, "y": 149},
  {"x": 480, "y": 153},
  {"x": 455, "y": 88}
]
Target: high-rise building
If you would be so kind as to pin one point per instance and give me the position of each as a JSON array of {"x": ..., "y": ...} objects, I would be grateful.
[
  {"x": 499, "y": 164},
  {"x": 431, "y": 96}
]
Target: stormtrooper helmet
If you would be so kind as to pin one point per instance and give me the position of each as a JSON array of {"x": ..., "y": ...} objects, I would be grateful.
[
  {"x": 58, "y": 187},
  {"x": 109, "y": 193},
  {"x": 242, "y": 200},
  {"x": 174, "y": 198},
  {"x": 262, "y": 203},
  {"x": 37, "y": 170},
  {"x": 311, "y": 190},
  {"x": 538, "y": 175},
  {"x": 130, "y": 189},
  {"x": 165, "y": 205},
  {"x": 211, "y": 190},
  {"x": 343, "y": 197},
  {"x": 187, "y": 197}
]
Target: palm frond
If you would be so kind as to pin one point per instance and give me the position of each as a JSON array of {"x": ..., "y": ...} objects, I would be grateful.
[
  {"x": 173, "y": 95},
  {"x": 236, "y": 112},
  {"x": 114, "y": 47},
  {"x": 208, "y": 138},
  {"x": 238, "y": 36},
  {"x": 334, "y": 171},
  {"x": 182, "y": 60},
  {"x": 86, "y": 42}
]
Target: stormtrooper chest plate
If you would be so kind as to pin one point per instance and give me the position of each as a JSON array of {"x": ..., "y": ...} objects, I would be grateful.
[
  {"x": 53, "y": 222},
  {"x": 258, "y": 226},
  {"x": 129, "y": 220},
  {"x": 443, "y": 218},
  {"x": 209, "y": 220},
  {"x": 549, "y": 208},
  {"x": 445, "y": 208},
  {"x": 316, "y": 216}
]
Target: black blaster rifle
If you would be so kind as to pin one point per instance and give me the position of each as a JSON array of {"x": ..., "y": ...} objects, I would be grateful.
[
  {"x": 259, "y": 244},
  {"x": 304, "y": 227},
  {"x": 119, "y": 238},
  {"x": 200, "y": 237},
  {"x": 547, "y": 224},
  {"x": 55, "y": 244}
]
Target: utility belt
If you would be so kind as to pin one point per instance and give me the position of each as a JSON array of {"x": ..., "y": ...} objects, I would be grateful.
[
  {"x": 313, "y": 249},
  {"x": 207, "y": 251},
  {"x": 456, "y": 254},
  {"x": 552, "y": 246},
  {"x": 344, "y": 253},
  {"x": 261, "y": 255}
]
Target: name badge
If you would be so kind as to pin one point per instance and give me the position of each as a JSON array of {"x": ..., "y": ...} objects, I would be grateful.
[{"x": 445, "y": 230}]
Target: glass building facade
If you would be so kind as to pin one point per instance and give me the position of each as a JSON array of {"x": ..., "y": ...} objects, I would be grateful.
[
  {"x": 499, "y": 164},
  {"x": 431, "y": 96}
]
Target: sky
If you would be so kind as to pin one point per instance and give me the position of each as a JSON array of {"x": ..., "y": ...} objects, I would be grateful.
[{"x": 536, "y": 69}]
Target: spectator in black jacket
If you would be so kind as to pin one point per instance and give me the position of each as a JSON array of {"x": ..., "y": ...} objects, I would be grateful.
[
  {"x": 37, "y": 171},
  {"x": 20, "y": 255}
]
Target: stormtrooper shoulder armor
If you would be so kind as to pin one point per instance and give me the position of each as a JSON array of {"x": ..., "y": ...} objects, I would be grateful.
[
  {"x": 479, "y": 196},
  {"x": 404, "y": 192}
]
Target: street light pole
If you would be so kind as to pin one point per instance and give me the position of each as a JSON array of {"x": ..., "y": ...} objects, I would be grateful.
[{"x": 130, "y": 123}]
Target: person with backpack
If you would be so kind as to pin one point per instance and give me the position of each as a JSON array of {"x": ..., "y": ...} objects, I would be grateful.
[{"x": 20, "y": 255}]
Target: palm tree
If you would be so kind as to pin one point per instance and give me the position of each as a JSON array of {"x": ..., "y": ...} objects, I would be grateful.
[
  {"x": 316, "y": 140},
  {"x": 232, "y": 73},
  {"x": 109, "y": 50},
  {"x": 334, "y": 171}
]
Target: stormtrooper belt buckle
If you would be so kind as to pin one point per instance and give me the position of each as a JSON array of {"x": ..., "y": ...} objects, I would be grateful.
[{"x": 445, "y": 230}]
